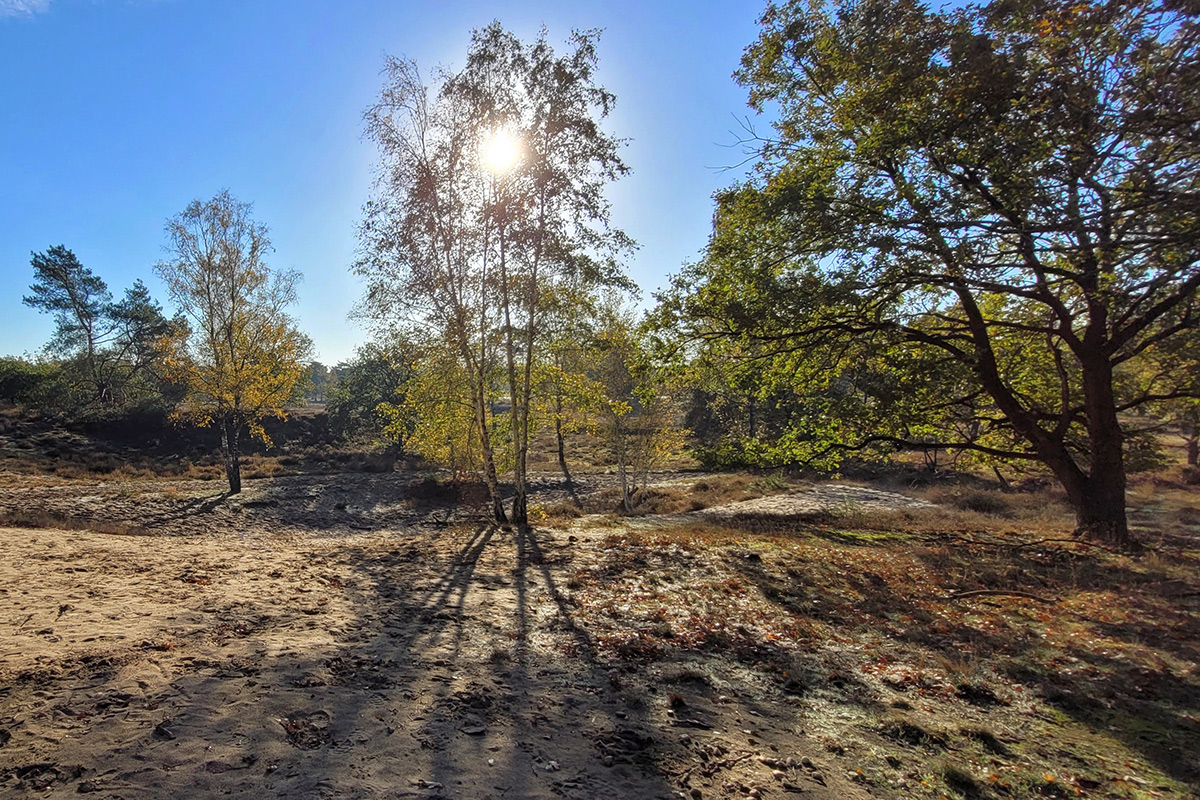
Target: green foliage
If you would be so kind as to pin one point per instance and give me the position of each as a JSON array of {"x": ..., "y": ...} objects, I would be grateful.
[
  {"x": 369, "y": 391},
  {"x": 29, "y": 383},
  {"x": 434, "y": 414},
  {"x": 73, "y": 294},
  {"x": 1004, "y": 195},
  {"x": 635, "y": 409},
  {"x": 109, "y": 352},
  {"x": 318, "y": 383}
]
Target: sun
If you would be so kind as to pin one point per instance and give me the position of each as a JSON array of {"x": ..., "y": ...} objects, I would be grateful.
[{"x": 500, "y": 151}]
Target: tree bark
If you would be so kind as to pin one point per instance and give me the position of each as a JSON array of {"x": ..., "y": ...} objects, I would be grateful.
[
  {"x": 1100, "y": 516},
  {"x": 231, "y": 450},
  {"x": 562, "y": 448},
  {"x": 517, "y": 414},
  {"x": 1100, "y": 511},
  {"x": 1191, "y": 430},
  {"x": 479, "y": 400},
  {"x": 489, "y": 463},
  {"x": 1097, "y": 495}
]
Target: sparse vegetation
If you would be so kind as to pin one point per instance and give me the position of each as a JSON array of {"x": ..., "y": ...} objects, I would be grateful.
[{"x": 891, "y": 494}]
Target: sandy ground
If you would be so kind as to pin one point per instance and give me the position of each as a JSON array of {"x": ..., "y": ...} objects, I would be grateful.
[{"x": 327, "y": 637}]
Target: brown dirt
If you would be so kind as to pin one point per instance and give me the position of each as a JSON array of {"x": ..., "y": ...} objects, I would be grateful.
[
  {"x": 265, "y": 645},
  {"x": 366, "y": 636}
]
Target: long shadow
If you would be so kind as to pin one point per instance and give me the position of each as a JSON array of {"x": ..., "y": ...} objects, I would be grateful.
[
  {"x": 1154, "y": 711},
  {"x": 463, "y": 659},
  {"x": 517, "y": 713},
  {"x": 192, "y": 508}
]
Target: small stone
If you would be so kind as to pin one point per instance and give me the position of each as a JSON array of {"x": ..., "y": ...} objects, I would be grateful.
[
  {"x": 696, "y": 794},
  {"x": 806, "y": 762},
  {"x": 778, "y": 774}
]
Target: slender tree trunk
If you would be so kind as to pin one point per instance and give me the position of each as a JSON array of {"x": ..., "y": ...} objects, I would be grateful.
[
  {"x": 517, "y": 412},
  {"x": 622, "y": 468},
  {"x": 562, "y": 448},
  {"x": 526, "y": 401},
  {"x": 1191, "y": 430},
  {"x": 230, "y": 449},
  {"x": 490, "y": 476}
]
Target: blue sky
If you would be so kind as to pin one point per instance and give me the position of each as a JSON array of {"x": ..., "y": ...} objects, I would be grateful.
[{"x": 114, "y": 114}]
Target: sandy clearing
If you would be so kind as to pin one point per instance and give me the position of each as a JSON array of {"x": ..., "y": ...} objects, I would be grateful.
[{"x": 433, "y": 662}]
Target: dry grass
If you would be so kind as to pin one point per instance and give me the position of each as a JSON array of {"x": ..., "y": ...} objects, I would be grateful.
[
  {"x": 678, "y": 497},
  {"x": 936, "y": 652},
  {"x": 86, "y": 466},
  {"x": 1093, "y": 693},
  {"x": 48, "y": 519}
]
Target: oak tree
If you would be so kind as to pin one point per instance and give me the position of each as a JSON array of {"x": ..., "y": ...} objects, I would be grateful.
[{"x": 1013, "y": 188}]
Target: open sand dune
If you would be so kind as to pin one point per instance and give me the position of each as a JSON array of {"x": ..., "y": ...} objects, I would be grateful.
[{"x": 413, "y": 662}]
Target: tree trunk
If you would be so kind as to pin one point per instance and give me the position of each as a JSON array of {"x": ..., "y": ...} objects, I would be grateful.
[
  {"x": 231, "y": 450},
  {"x": 1191, "y": 430},
  {"x": 622, "y": 471},
  {"x": 517, "y": 413},
  {"x": 1100, "y": 511},
  {"x": 479, "y": 400},
  {"x": 489, "y": 461},
  {"x": 562, "y": 449},
  {"x": 1101, "y": 514},
  {"x": 1098, "y": 495}
]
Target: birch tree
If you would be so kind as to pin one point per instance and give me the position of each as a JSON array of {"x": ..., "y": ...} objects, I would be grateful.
[
  {"x": 243, "y": 355},
  {"x": 490, "y": 193}
]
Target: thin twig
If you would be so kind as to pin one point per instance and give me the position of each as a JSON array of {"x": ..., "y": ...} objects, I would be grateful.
[{"x": 998, "y": 593}]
